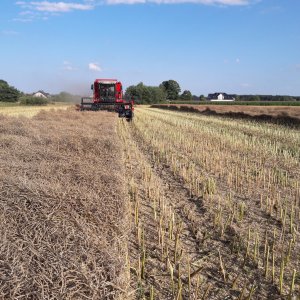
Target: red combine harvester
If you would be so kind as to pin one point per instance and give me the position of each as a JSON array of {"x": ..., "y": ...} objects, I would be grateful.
[{"x": 108, "y": 95}]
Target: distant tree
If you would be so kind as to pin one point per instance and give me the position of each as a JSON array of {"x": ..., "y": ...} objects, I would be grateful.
[
  {"x": 145, "y": 94},
  {"x": 202, "y": 98},
  {"x": 254, "y": 98},
  {"x": 157, "y": 94},
  {"x": 172, "y": 89},
  {"x": 287, "y": 98},
  {"x": 30, "y": 100},
  {"x": 131, "y": 93},
  {"x": 8, "y": 93},
  {"x": 186, "y": 95},
  {"x": 195, "y": 98},
  {"x": 139, "y": 92}
]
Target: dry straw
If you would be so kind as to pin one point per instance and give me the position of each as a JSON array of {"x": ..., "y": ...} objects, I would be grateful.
[{"x": 62, "y": 210}]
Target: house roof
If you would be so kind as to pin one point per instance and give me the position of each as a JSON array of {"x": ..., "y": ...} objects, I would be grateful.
[
  {"x": 42, "y": 92},
  {"x": 216, "y": 95}
]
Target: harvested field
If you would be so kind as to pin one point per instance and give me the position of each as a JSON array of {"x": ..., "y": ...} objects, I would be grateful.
[
  {"x": 278, "y": 114},
  {"x": 29, "y": 111},
  {"x": 215, "y": 206},
  {"x": 63, "y": 226},
  {"x": 174, "y": 205}
]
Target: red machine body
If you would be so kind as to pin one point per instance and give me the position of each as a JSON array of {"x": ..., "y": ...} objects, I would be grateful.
[
  {"x": 107, "y": 90},
  {"x": 108, "y": 95}
]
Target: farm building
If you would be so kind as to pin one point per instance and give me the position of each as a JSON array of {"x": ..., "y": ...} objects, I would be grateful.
[
  {"x": 41, "y": 94},
  {"x": 220, "y": 97}
]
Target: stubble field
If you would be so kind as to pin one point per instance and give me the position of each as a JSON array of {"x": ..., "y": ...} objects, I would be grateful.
[
  {"x": 16, "y": 110},
  {"x": 216, "y": 206},
  {"x": 173, "y": 205}
]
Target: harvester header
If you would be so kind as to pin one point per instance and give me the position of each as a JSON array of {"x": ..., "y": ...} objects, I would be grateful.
[{"x": 108, "y": 95}]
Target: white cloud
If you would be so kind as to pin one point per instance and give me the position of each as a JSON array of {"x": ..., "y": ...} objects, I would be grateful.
[
  {"x": 237, "y": 60},
  {"x": 115, "y": 2},
  {"x": 46, "y": 6},
  {"x": 41, "y": 10},
  {"x": 205, "y": 2},
  {"x": 95, "y": 67},
  {"x": 61, "y": 6}
]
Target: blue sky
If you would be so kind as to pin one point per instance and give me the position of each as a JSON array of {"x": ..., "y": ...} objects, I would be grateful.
[{"x": 233, "y": 46}]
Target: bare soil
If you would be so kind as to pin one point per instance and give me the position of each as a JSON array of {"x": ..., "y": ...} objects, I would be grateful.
[{"x": 289, "y": 115}]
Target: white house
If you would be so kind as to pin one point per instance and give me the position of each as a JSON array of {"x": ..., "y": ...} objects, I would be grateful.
[
  {"x": 41, "y": 94},
  {"x": 221, "y": 97}
]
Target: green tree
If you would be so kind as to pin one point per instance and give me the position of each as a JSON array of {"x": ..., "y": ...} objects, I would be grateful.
[
  {"x": 254, "y": 98},
  {"x": 145, "y": 94},
  {"x": 8, "y": 93},
  {"x": 202, "y": 98},
  {"x": 30, "y": 100},
  {"x": 139, "y": 92},
  {"x": 157, "y": 94},
  {"x": 131, "y": 92},
  {"x": 172, "y": 89},
  {"x": 186, "y": 95}
]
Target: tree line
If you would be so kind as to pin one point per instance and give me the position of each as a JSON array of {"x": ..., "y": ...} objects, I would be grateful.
[
  {"x": 144, "y": 94},
  {"x": 168, "y": 90},
  {"x": 266, "y": 98},
  {"x": 9, "y": 93}
]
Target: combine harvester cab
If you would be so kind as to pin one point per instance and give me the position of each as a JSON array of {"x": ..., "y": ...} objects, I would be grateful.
[{"x": 108, "y": 95}]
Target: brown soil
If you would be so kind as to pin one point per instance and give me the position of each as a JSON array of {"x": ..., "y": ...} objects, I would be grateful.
[{"x": 289, "y": 115}]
